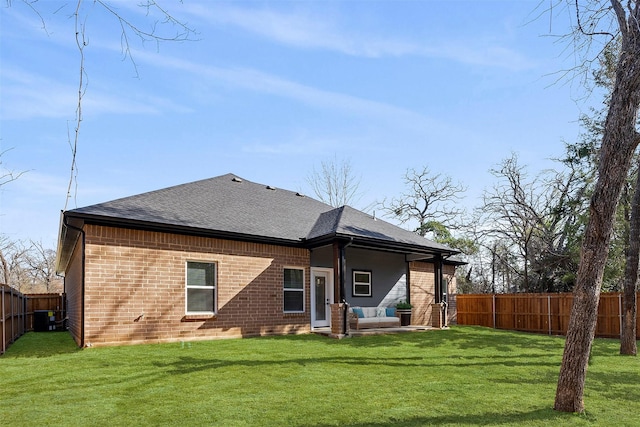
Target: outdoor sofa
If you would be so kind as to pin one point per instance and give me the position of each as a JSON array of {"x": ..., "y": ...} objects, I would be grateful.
[{"x": 373, "y": 317}]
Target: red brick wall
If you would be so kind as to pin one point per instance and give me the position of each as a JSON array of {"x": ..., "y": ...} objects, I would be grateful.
[
  {"x": 73, "y": 291},
  {"x": 135, "y": 287}
]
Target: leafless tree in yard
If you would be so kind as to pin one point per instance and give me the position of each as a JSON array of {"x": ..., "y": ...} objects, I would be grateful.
[
  {"x": 28, "y": 268},
  {"x": 12, "y": 256},
  {"x": 609, "y": 20},
  {"x": 335, "y": 183},
  {"x": 430, "y": 200},
  {"x": 41, "y": 266},
  {"x": 532, "y": 219}
]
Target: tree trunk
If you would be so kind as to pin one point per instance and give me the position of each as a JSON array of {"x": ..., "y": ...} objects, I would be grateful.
[
  {"x": 618, "y": 145},
  {"x": 628, "y": 345}
]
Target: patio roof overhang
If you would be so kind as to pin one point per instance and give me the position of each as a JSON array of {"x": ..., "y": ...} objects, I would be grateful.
[{"x": 411, "y": 252}]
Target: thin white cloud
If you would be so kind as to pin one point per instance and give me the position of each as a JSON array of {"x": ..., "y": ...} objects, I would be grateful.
[
  {"x": 307, "y": 31},
  {"x": 27, "y": 95},
  {"x": 38, "y": 184},
  {"x": 481, "y": 54},
  {"x": 300, "y": 30},
  {"x": 266, "y": 83},
  {"x": 302, "y": 141}
]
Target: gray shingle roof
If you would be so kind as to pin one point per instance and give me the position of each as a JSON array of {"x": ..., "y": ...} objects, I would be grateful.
[
  {"x": 225, "y": 204},
  {"x": 232, "y": 207}
]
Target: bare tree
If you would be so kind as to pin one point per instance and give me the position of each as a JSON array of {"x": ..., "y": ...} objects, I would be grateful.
[
  {"x": 430, "y": 200},
  {"x": 531, "y": 218},
  {"x": 335, "y": 183},
  {"x": 513, "y": 207},
  {"x": 28, "y": 269},
  {"x": 40, "y": 262},
  {"x": 12, "y": 256},
  {"x": 620, "y": 138}
]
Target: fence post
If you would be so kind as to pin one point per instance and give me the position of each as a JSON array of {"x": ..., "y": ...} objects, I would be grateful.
[
  {"x": 12, "y": 304},
  {"x": 549, "y": 312},
  {"x": 493, "y": 309},
  {"x": 25, "y": 301}
]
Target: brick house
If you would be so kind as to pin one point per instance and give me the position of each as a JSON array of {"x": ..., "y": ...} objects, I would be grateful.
[{"x": 226, "y": 257}]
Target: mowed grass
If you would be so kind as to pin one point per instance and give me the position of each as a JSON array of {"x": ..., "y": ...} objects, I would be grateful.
[{"x": 461, "y": 376}]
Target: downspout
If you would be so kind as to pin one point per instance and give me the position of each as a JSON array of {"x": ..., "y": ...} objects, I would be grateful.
[{"x": 64, "y": 221}]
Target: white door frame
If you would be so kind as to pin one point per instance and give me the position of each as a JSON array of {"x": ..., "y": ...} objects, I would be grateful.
[{"x": 328, "y": 273}]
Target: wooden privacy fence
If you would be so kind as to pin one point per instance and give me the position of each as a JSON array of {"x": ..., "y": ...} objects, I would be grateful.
[
  {"x": 12, "y": 314},
  {"x": 20, "y": 313},
  {"x": 539, "y": 313}
]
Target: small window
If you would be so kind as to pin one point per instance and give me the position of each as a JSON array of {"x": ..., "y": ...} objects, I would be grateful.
[
  {"x": 293, "y": 290},
  {"x": 361, "y": 283},
  {"x": 201, "y": 288}
]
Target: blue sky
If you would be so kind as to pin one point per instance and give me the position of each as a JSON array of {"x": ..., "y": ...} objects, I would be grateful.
[{"x": 270, "y": 90}]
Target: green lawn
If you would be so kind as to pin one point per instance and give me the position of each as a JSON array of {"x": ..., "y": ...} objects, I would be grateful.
[{"x": 460, "y": 376}]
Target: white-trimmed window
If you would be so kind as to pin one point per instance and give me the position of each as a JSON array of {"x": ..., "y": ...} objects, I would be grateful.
[
  {"x": 361, "y": 283},
  {"x": 293, "y": 290},
  {"x": 200, "y": 292}
]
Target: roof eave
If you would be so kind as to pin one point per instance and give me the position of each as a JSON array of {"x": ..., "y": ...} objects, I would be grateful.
[
  {"x": 67, "y": 239},
  {"x": 184, "y": 230}
]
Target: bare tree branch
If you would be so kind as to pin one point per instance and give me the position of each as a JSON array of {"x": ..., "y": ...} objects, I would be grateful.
[{"x": 7, "y": 176}]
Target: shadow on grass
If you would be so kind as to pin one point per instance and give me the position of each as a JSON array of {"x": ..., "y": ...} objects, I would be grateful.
[
  {"x": 41, "y": 344},
  {"x": 546, "y": 416},
  {"x": 466, "y": 337},
  {"x": 189, "y": 364},
  {"x": 615, "y": 385},
  {"x": 463, "y": 341}
]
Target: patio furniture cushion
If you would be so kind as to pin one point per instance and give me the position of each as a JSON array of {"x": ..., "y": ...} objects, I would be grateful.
[{"x": 358, "y": 311}]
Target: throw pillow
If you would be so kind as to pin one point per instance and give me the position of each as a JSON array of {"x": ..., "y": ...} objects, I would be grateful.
[
  {"x": 358, "y": 311},
  {"x": 381, "y": 312},
  {"x": 391, "y": 312}
]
